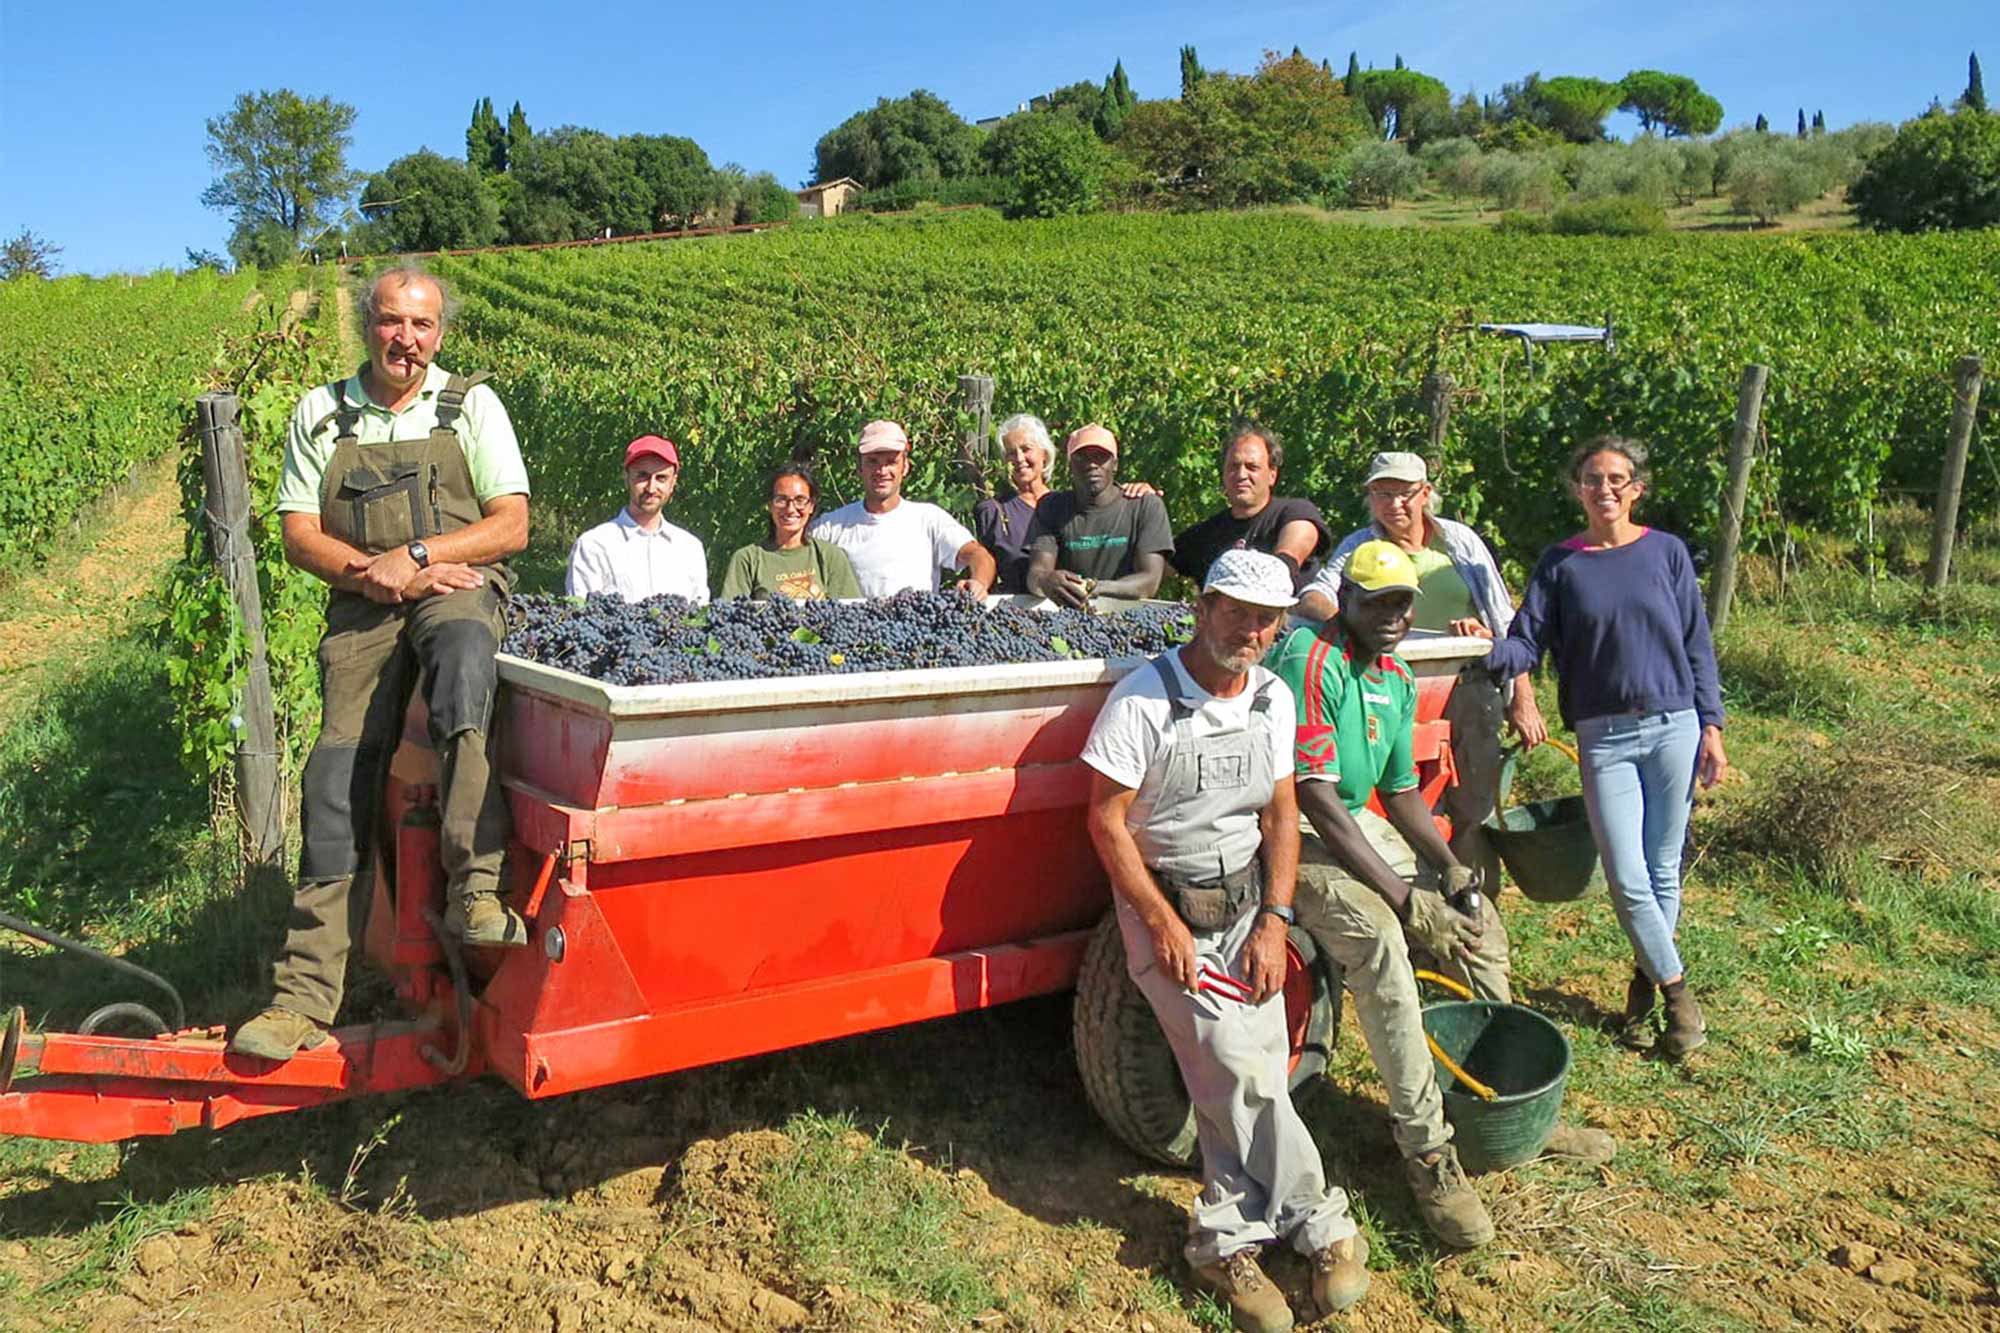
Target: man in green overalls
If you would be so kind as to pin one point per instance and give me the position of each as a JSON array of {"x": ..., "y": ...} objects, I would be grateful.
[{"x": 403, "y": 489}]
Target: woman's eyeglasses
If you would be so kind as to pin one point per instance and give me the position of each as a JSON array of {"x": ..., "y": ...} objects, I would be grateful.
[
  {"x": 791, "y": 502},
  {"x": 1616, "y": 485}
]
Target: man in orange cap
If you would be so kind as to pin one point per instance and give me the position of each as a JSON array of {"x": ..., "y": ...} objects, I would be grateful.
[
  {"x": 639, "y": 554},
  {"x": 1094, "y": 540}
]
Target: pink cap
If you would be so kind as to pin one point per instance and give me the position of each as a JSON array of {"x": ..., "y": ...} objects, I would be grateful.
[
  {"x": 654, "y": 445},
  {"x": 1091, "y": 437},
  {"x": 883, "y": 437}
]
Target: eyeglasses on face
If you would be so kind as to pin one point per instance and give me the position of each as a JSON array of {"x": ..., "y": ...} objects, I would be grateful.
[
  {"x": 1395, "y": 494},
  {"x": 1593, "y": 481},
  {"x": 791, "y": 502}
]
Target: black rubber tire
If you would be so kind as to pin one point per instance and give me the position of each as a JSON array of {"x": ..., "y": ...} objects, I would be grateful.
[{"x": 1128, "y": 1069}]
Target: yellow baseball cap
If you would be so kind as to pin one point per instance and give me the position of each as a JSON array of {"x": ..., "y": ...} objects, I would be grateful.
[{"x": 1380, "y": 566}]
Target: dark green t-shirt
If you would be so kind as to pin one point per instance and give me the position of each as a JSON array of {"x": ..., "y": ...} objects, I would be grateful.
[
  {"x": 805, "y": 573},
  {"x": 1103, "y": 542}
]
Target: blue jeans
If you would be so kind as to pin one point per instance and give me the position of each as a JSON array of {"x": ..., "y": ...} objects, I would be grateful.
[{"x": 1638, "y": 784}]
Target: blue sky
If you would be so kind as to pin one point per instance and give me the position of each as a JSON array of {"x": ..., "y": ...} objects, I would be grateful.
[{"x": 102, "y": 106}]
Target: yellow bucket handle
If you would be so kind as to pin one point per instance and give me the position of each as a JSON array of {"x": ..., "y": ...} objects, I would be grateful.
[
  {"x": 1515, "y": 750},
  {"x": 1463, "y": 992}
]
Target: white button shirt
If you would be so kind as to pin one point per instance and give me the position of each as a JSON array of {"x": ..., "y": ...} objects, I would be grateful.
[{"x": 622, "y": 557}]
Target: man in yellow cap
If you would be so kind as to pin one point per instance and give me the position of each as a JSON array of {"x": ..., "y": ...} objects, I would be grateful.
[{"x": 1363, "y": 894}]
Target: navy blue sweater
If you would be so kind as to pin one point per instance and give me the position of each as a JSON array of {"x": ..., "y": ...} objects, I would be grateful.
[{"x": 1626, "y": 628}]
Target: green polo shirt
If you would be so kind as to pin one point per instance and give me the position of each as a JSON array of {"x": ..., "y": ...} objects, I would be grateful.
[
  {"x": 1356, "y": 717},
  {"x": 1442, "y": 596},
  {"x": 492, "y": 453}
]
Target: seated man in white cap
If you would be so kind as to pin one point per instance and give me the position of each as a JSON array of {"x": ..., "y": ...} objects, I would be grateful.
[
  {"x": 1192, "y": 810},
  {"x": 1093, "y": 540},
  {"x": 896, "y": 544},
  {"x": 1459, "y": 591},
  {"x": 1363, "y": 893},
  {"x": 639, "y": 554}
]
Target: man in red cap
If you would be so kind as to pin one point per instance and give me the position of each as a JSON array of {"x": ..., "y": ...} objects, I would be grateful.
[
  {"x": 1094, "y": 540},
  {"x": 897, "y": 544},
  {"x": 639, "y": 554}
]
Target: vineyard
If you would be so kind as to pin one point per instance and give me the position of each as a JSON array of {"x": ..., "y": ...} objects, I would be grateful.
[
  {"x": 753, "y": 350},
  {"x": 96, "y": 377}
]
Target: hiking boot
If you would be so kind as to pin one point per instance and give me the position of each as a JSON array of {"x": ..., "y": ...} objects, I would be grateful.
[
  {"x": 1635, "y": 1029},
  {"x": 1255, "y": 1305},
  {"x": 1686, "y": 1029},
  {"x": 481, "y": 919},
  {"x": 1580, "y": 1144},
  {"x": 1340, "y": 1274},
  {"x": 277, "y": 1034},
  {"x": 1446, "y": 1200}
]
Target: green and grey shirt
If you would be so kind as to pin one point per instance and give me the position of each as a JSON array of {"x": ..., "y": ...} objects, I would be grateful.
[{"x": 1103, "y": 542}]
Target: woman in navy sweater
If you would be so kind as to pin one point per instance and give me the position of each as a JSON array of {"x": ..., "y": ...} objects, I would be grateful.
[{"x": 1618, "y": 608}]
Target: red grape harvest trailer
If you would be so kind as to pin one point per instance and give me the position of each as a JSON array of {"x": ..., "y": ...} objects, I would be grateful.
[{"x": 709, "y": 871}]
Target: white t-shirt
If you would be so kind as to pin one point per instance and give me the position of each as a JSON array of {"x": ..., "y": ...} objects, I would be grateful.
[
  {"x": 897, "y": 549},
  {"x": 622, "y": 557},
  {"x": 1131, "y": 739}
]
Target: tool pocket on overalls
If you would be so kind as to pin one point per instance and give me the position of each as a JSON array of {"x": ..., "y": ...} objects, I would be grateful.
[
  {"x": 386, "y": 508},
  {"x": 1204, "y": 909}
]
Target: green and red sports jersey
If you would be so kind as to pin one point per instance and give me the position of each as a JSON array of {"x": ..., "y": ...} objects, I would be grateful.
[{"x": 1356, "y": 717}]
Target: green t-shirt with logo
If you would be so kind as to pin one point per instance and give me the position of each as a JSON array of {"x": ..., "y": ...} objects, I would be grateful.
[
  {"x": 1356, "y": 717},
  {"x": 1104, "y": 541}
]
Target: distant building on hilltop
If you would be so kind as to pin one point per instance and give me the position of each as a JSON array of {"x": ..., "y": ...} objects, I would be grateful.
[
  {"x": 1019, "y": 107},
  {"x": 828, "y": 197}
]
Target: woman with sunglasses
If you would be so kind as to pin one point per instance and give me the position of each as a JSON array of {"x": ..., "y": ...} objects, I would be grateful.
[
  {"x": 788, "y": 563},
  {"x": 1618, "y": 609}
]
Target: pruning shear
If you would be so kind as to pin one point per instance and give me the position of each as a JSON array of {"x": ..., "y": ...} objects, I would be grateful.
[{"x": 1221, "y": 983}]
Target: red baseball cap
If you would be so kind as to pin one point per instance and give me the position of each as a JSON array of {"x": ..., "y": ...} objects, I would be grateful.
[{"x": 651, "y": 444}]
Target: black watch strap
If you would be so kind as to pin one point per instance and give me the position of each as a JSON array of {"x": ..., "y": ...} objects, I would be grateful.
[
  {"x": 1284, "y": 914},
  {"x": 419, "y": 553}
]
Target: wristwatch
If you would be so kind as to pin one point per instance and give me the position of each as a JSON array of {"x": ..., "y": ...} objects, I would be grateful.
[
  {"x": 419, "y": 553},
  {"x": 1284, "y": 914}
]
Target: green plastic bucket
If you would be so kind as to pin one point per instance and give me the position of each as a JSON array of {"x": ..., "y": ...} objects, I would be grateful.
[
  {"x": 1522, "y": 1056},
  {"x": 1546, "y": 845}
]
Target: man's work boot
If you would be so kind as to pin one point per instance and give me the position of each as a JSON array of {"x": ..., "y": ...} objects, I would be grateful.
[
  {"x": 1686, "y": 1029},
  {"x": 1340, "y": 1274},
  {"x": 1255, "y": 1305},
  {"x": 277, "y": 1034},
  {"x": 483, "y": 921},
  {"x": 1446, "y": 1200},
  {"x": 1580, "y": 1144},
  {"x": 1635, "y": 1029}
]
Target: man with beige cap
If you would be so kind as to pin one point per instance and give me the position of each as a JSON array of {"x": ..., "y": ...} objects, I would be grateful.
[
  {"x": 1094, "y": 540},
  {"x": 1193, "y": 811},
  {"x": 896, "y": 544}
]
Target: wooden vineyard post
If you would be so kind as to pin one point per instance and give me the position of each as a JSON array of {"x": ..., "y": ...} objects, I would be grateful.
[
  {"x": 1966, "y": 377},
  {"x": 1749, "y": 408},
  {"x": 226, "y": 512},
  {"x": 1437, "y": 391},
  {"x": 975, "y": 396}
]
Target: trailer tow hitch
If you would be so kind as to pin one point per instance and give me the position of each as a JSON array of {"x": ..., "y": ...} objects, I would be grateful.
[
  {"x": 461, "y": 1049},
  {"x": 103, "y": 1015}
]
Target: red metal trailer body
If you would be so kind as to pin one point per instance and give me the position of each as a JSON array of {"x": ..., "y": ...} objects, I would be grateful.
[{"x": 709, "y": 871}]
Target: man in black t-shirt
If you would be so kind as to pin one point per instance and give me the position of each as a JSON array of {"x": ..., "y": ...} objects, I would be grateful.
[
  {"x": 1093, "y": 540},
  {"x": 1257, "y": 520}
]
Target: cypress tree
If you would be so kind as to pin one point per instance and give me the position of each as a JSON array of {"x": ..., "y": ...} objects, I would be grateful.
[
  {"x": 1975, "y": 87},
  {"x": 1351, "y": 85},
  {"x": 1819, "y": 123},
  {"x": 1399, "y": 61},
  {"x": 1326, "y": 68},
  {"x": 1191, "y": 72},
  {"x": 518, "y": 133},
  {"x": 1763, "y": 125},
  {"x": 1122, "y": 86},
  {"x": 1802, "y": 123}
]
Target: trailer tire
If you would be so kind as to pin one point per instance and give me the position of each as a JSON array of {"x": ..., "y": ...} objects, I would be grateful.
[{"x": 1128, "y": 1070}]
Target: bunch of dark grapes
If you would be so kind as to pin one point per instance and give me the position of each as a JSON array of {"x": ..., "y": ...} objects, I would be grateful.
[{"x": 663, "y": 640}]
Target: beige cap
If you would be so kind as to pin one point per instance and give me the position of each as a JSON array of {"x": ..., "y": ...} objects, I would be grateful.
[
  {"x": 1092, "y": 436},
  {"x": 1397, "y": 465},
  {"x": 1253, "y": 577},
  {"x": 883, "y": 437}
]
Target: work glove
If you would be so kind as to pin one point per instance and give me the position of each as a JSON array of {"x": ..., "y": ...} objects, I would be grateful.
[
  {"x": 1457, "y": 880},
  {"x": 1439, "y": 927}
]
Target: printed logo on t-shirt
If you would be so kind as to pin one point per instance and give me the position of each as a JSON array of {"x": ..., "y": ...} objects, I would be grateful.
[
  {"x": 1098, "y": 543},
  {"x": 1221, "y": 772},
  {"x": 800, "y": 586},
  {"x": 1374, "y": 730}
]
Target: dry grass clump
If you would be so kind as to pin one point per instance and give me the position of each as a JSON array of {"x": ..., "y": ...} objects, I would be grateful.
[{"x": 1830, "y": 807}]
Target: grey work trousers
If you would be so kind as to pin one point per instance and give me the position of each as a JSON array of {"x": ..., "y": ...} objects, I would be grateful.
[
  {"x": 1351, "y": 922},
  {"x": 1262, "y": 1178}
]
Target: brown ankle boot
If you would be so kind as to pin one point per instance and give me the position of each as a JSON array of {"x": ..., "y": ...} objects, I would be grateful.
[
  {"x": 1686, "y": 1029},
  {"x": 1635, "y": 1029}
]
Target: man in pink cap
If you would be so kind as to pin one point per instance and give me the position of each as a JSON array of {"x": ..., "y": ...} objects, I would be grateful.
[
  {"x": 1094, "y": 540},
  {"x": 896, "y": 544},
  {"x": 639, "y": 554}
]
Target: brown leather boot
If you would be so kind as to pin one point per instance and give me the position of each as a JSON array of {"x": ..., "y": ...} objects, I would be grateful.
[
  {"x": 1635, "y": 1029},
  {"x": 1686, "y": 1029},
  {"x": 1450, "y": 1207},
  {"x": 1340, "y": 1274},
  {"x": 1255, "y": 1304}
]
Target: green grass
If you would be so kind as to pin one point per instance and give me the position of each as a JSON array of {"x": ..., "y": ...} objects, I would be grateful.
[
  {"x": 108, "y": 1247},
  {"x": 850, "y": 1209}
]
